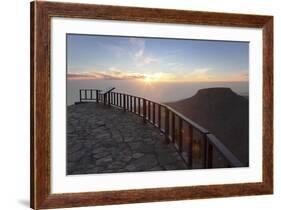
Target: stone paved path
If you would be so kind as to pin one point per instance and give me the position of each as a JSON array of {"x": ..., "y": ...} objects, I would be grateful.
[{"x": 107, "y": 140}]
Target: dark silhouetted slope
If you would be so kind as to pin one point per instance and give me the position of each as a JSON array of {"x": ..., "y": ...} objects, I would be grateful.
[{"x": 224, "y": 113}]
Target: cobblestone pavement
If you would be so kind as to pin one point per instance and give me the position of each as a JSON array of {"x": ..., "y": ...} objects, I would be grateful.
[{"x": 107, "y": 140}]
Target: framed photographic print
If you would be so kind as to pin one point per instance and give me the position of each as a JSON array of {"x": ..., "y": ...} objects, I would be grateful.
[{"x": 140, "y": 105}]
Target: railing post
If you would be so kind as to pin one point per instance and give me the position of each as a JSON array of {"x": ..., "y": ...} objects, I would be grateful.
[
  {"x": 167, "y": 125},
  {"x": 131, "y": 103},
  {"x": 209, "y": 155},
  {"x": 97, "y": 96},
  {"x": 124, "y": 103},
  {"x": 190, "y": 145},
  {"x": 144, "y": 109},
  {"x": 127, "y": 102},
  {"x": 135, "y": 106},
  {"x": 205, "y": 151},
  {"x": 139, "y": 106},
  {"x": 109, "y": 98},
  {"x": 153, "y": 113},
  {"x": 80, "y": 95},
  {"x": 117, "y": 99},
  {"x": 149, "y": 112},
  {"x": 173, "y": 127},
  {"x": 104, "y": 99},
  {"x": 91, "y": 94},
  {"x": 113, "y": 98},
  {"x": 159, "y": 116},
  {"x": 120, "y": 99},
  {"x": 180, "y": 135}
]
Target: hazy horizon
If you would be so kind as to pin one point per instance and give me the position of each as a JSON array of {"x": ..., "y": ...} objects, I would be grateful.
[{"x": 158, "y": 92}]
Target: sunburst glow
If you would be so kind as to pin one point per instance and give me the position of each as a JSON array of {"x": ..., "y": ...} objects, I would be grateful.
[
  {"x": 157, "y": 77},
  {"x": 147, "y": 80}
]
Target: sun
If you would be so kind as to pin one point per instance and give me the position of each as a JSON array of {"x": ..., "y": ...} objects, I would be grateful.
[
  {"x": 148, "y": 80},
  {"x": 154, "y": 78}
]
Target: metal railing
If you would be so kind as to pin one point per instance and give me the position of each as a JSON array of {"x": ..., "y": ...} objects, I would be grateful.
[
  {"x": 86, "y": 95},
  {"x": 190, "y": 139}
]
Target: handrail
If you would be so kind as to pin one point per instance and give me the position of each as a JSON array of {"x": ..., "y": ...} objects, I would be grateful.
[
  {"x": 232, "y": 160},
  {"x": 107, "y": 90},
  {"x": 90, "y": 98},
  {"x": 147, "y": 110},
  {"x": 189, "y": 121}
]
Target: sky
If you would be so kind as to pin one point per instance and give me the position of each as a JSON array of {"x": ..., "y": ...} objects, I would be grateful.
[{"x": 91, "y": 57}]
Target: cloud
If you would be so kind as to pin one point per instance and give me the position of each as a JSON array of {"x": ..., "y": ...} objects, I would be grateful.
[
  {"x": 116, "y": 49},
  {"x": 108, "y": 75},
  {"x": 80, "y": 76},
  {"x": 244, "y": 76},
  {"x": 199, "y": 75},
  {"x": 137, "y": 48},
  {"x": 137, "y": 45},
  {"x": 196, "y": 75}
]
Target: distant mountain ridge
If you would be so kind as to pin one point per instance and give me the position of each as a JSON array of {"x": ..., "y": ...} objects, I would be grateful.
[{"x": 224, "y": 113}]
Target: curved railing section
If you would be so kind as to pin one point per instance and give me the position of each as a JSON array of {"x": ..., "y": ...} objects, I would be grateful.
[{"x": 196, "y": 145}]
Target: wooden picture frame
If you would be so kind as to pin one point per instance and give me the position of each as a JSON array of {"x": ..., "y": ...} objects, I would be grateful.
[{"x": 41, "y": 14}]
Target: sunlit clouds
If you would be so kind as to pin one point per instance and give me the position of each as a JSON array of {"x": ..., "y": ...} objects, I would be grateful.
[
  {"x": 198, "y": 75},
  {"x": 105, "y": 75}
]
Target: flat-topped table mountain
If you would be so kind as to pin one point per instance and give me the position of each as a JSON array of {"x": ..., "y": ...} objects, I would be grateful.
[{"x": 224, "y": 113}]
